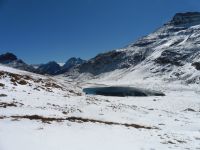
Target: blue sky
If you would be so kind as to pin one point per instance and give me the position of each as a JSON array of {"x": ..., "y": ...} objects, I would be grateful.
[{"x": 42, "y": 30}]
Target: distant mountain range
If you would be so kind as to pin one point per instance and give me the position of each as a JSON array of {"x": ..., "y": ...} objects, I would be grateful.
[
  {"x": 171, "y": 52},
  {"x": 53, "y": 68},
  {"x": 50, "y": 68}
]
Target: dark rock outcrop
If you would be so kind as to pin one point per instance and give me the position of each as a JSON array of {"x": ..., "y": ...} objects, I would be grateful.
[{"x": 196, "y": 65}]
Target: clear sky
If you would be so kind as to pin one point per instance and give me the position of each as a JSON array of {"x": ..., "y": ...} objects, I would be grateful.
[{"x": 42, "y": 30}]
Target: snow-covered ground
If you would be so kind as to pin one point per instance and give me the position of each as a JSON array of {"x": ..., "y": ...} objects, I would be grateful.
[{"x": 36, "y": 116}]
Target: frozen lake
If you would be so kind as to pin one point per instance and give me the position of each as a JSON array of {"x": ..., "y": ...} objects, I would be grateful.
[{"x": 121, "y": 91}]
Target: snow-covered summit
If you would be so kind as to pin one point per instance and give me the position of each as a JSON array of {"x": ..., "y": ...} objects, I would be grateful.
[{"x": 71, "y": 63}]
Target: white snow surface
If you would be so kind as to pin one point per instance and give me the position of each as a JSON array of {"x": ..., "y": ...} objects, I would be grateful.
[
  {"x": 61, "y": 64},
  {"x": 176, "y": 115}
]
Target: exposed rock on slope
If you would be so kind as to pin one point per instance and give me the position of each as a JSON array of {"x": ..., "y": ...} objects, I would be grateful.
[{"x": 196, "y": 65}]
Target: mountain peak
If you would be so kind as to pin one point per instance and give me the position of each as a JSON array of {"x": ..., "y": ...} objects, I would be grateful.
[
  {"x": 73, "y": 61},
  {"x": 7, "y": 58},
  {"x": 52, "y": 63},
  {"x": 49, "y": 68},
  {"x": 186, "y": 18},
  {"x": 11, "y": 60}
]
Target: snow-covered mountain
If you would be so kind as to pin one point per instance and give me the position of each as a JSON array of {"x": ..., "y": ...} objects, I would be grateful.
[
  {"x": 11, "y": 60},
  {"x": 172, "y": 52},
  {"x": 71, "y": 63},
  {"x": 53, "y": 112}
]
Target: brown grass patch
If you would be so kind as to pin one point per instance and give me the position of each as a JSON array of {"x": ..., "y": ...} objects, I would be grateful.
[
  {"x": 4, "y": 105},
  {"x": 22, "y": 82},
  {"x": 81, "y": 120},
  {"x": 12, "y": 104}
]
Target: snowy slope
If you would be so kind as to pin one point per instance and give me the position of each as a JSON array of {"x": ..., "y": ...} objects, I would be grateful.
[{"x": 34, "y": 116}]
